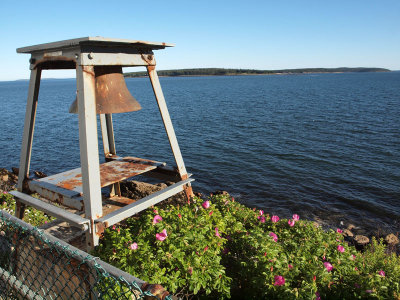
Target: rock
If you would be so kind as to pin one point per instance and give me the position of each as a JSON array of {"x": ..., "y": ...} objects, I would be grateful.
[
  {"x": 391, "y": 239},
  {"x": 316, "y": 224},
  {"x": 39, "y": 174},
  {"x": 347, "y": 233},
  {"x": 220, "y": 192},
  {"x": 161, "y": 185},
  {"x": 15, "y": 170},
  {"x": 7, "y": 180},
  {"x": 351, "y": 227},
  {"x": 137, "y": 190},
  {"x": 156, "y": 289},
  {"x": 361, "y": 240},
  {"x": 4, "y": 177}
]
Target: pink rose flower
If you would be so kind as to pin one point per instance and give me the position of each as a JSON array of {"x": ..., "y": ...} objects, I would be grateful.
[
  {"x": 162, "y": 235},
  {"x": 338, "y": 230},
  {"x": 217, "y": 232},
  {"x": 340, "y": 248},
  {"x": 210, "y": 213},
  {"x": 133, "y": 246},
  {"x": 157, "y": 219},
  {"x": 279, "y": 280},
  {"x": 295, "y": 217},
  {"x": 290, "y": 266},
  {"x": 262, "y": 219},
  {"x": 328, "y": 266},
  {"x": 206, "y": 204},
  {"x": 261, "y": 212},
  {"x": 205, "y": 248},
  {"x": 114, "y": 227},
  {"x": 274, "y": 236},
  {"x": 382, "y": 273},
  {"x": 179, "y": 216},
  {"x": 291, "y": 223},
  {"x": 274, "y": 219}
]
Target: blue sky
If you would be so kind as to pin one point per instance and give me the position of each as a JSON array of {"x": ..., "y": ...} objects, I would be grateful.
[{"x": 229, "y": 34}]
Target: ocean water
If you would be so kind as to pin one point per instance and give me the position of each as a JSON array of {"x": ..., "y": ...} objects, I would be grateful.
[{"x": 324, "y": 146}]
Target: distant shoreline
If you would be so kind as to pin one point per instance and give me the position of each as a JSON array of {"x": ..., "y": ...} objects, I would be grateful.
[
  {"x": 247, "y": 72},
  {"x": 239, "y": 72}
]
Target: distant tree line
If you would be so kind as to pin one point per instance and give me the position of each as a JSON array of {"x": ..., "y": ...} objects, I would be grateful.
[{"x": 222, "y": 71}]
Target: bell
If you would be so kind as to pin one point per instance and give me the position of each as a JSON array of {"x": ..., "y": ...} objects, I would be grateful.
[{"x": 112, "y": 95}]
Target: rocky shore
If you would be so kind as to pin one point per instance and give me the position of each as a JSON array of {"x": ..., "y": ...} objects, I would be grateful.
[{"x": 136, "y": 190}]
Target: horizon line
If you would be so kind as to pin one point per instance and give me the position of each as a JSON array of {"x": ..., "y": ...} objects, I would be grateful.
[{"x": 54, "y": 78}]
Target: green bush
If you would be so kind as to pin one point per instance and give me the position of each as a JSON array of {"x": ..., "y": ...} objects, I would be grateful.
[
  {"x": 32, "y": 216},
  {"x": 187, "y": 261},
  {"x": 220, "y": 248}
]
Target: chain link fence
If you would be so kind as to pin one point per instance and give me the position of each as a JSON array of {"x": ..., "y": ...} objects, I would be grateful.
[{"x": 35, "y": 265}]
